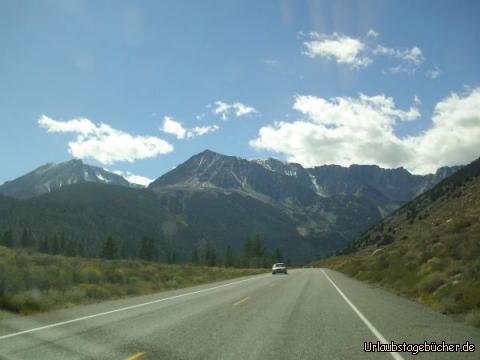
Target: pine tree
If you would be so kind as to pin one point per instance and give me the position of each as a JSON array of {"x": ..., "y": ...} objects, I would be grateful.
[
  {"x": 277, "y": 256},
  {"x": 248, "y": 247},
  {"x": 229, "y": 260},
  {"x": 124, "y": 251},
  {"x": 80, "y": 250},
  {"x": 195, "y": 259},
  {"x": 258, "y": 250},
  {"x": 172, "y": 257},
  {"x": 148, "y": 250},
  {"x": 63, "y": 244},
  {"x": 109, "y": 249},
  {"x": 7, "y": 239},
  {"x": 210, "y": 256},
  {"x": 71, "y": 249},
  {"x": 43, "y": 246},
  {"x": 26, "y": 240},
  {"x": 54, "y": 246},
  {"x": 255, "y": 254}
]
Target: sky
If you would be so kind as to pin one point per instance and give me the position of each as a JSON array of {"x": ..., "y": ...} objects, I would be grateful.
[{"x": 138, "y": 87}]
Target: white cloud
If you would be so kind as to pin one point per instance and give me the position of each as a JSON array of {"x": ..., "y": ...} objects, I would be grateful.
[
  {"x": 82, "y": 126},
  {"x": 139, "y": 180},
  {"x": 411, "y": 59},
  {"x": 202, "y": 130},
  {"x": 173, "y": 127},
  {"x": 224, "y": 110},
  {"x": 104, "y": 143},
  {"x": 433, "y": 73},
  {"x": 454, "y": 137},
  {"x": 413, "y": 55},
  {"x": 372, "y": 34},
  {"x": 341, "y": 48},
  {"x": 241, "y": 109},
  {"x": 134, "y": 179},
  {"x": 361, "y": 130},
  {"x": 358, "y": 53}
]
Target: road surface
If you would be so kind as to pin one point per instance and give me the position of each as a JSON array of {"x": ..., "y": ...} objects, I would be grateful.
[{"x": 308, "y": 314}]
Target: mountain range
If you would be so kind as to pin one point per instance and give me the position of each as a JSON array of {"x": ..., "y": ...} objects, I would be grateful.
[{"x": 213, "y": 198}]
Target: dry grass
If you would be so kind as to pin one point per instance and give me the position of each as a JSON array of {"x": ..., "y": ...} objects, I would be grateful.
[
  {"x": 32, "y": 282},
  {"x": 434, "y": 258}
]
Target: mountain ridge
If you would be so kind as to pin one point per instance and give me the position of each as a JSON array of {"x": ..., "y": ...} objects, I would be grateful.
[
  {"x": 52, "y": 176},
  {"x": 209, "y": 169}
]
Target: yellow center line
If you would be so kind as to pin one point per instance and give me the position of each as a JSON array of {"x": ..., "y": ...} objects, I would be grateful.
[
  {"x": 239, "y": 302},
  {"x": 136, "y": 356}
]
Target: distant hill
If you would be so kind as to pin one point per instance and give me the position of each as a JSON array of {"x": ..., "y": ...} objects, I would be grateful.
[
  {"x": 53, "y": 176},
  {"x": 429, "y": 249}
]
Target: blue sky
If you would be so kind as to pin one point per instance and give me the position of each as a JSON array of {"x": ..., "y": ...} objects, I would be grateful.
[{"x": 382, "y": 82}]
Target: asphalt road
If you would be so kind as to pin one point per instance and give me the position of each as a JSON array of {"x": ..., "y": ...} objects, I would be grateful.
[{"x": 308, "y": 314}]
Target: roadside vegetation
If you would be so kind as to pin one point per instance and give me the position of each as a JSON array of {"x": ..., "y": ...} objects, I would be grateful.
[
  {"x": 33, "y": 282},
  {"x": 429, "y": 250}
]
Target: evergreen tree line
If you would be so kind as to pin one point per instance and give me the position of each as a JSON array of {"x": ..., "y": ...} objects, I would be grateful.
[
  {"x": 55, "y": 245},
  {"x": 253, "y": 255}
]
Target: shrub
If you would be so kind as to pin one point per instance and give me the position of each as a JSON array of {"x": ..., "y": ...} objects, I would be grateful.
[
  {"x": 32, "y": 282},
  {"x": 473, "y": 318},
  {"x": 94, "y": 291},
  {"x": 91, "y": 274},
  {"x": 432, "y": 281}
]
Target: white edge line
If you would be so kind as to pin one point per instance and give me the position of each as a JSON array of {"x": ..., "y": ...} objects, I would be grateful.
[
  {"x": 369, "y": 325},
  {"x": 3, "y": 337}
]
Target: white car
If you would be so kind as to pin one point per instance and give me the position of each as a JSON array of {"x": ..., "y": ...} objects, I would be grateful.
[{"x": 279, "y": 268}]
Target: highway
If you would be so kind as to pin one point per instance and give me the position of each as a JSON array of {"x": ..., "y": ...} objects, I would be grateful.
[{"x": 308, "y": 314}]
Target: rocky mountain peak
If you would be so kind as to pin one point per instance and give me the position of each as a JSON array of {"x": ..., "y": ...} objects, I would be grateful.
[{"x": 52, "y": 176}]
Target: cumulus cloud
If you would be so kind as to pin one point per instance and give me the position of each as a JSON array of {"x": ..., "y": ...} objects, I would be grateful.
[
  {"x": 224, "y": 110},
  {"x": 134, "y": 179},
  {"x": 454, "y": 137},
  {"x": 361, "y": 130},
  {"x": 202, "y": 130},
  {"x": 358, "y": 53},
  {"x": 174, "y": 127},
  {"x": 104, "y": 143},
  {"x": 341, "y": 48}
]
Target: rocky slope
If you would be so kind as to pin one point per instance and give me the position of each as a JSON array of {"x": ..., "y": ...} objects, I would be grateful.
[
  {"x": 53, "y": 176},
  {"x": 429, "y": 249}
]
